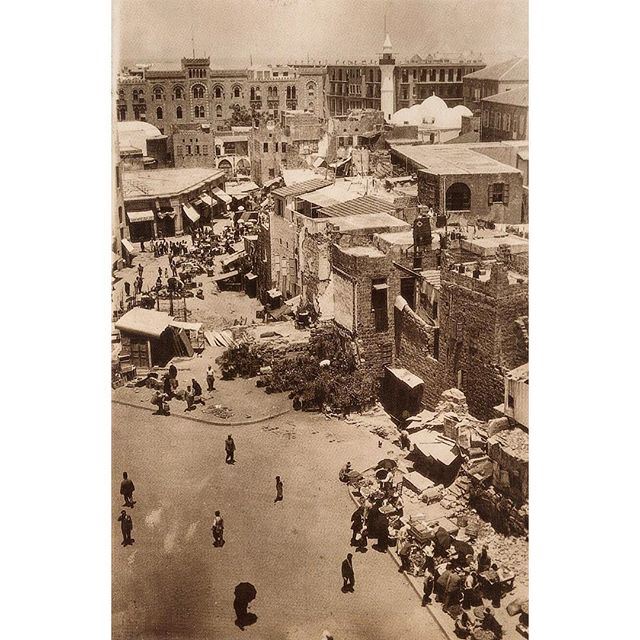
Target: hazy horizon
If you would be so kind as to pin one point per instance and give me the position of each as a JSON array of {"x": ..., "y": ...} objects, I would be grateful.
[{"x": 234, "y": 32}]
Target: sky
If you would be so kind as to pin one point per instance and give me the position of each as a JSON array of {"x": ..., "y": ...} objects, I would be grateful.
[{"x": 234, "y": 32}]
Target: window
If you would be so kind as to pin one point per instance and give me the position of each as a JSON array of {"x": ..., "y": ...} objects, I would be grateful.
[
  {"x": 499, "y": 193},
  {"x": 405, "y": 75},
  {"x": 179, "y": 113},
  {"x": 485, "y": 118},
  {"x": 135, "y": 95},
  {"x": 265, "y": 147},
  {"x": 158, "y": 93},
  {"x": 276, "y": 149},
  {"x": 205, "y": 149},
  {"x": 510, "y": 402},
  {"x": 198, "y": 91},
  {"x": 236, "y": 91},
  {"x": 197, "y": 151},
  {"x": 159, "y": 113},
  {"x": 476, "y": 95},
  {"x": 198, "y": 111},
  {"x": 459, "y": 75},
  {"x": 119, "y": 211},
  {"x": 283, "y": 147},
  {"x": 218, "y": 111},
  {"x": 136, "y": 113},
  {"x": 122, "y": 113},
  {"x": 458, "y": 197},
  {"x": 217, "y": 91},
  {"x": 379, "y": 293},
  {"x": 291, "y": 92},
  {"x": 311, "y": 89},
  {"x": 450, "y": 75},
  {"x": 188, "y": 149},
  {"x": 179, "y": 150},
  {"x": 506, "y": 122},
  {"x": 441, "y": 75},
  {"x": 178, "y": 93},
  {"x": 461, "y": 380}
]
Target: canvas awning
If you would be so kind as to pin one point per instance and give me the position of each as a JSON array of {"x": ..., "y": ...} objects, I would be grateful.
[
  {"x": 221, "y": 195},
  {"x": 232, "y": 258},
  {"x": 380, "y": 287},
  {"x": 225, "y": 276},
  {"x": 140, "y": 216},
  {"x": 146, "y": 322},
  {"x": 242, "y": 187},
  {"x": 191, "y": 213},
  {"x": 250, "y": 276},
  {"x": 188, "y": 326},
  {"x": 270, "y": 183},
  {"x": 274, "y": 293},
  {"x": 248, "y": 215},
  {"x": 207, "y": 199},
  {"x": 318, "y": 162},
  {"x": 167, "y": 213},
  {"x": 129, "y": 247}
]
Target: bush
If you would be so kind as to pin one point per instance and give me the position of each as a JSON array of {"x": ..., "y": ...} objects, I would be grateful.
[{"x": 240, "y": 360}]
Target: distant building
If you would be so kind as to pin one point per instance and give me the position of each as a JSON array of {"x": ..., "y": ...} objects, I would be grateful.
[
  {"x": 505, "y": 116},
  {"x": 290, "y": 143},
  {"x": 193, "y": 145},
  {"x": 389, "y": 85},
  {"x": 142, "y": 146},
  {"x": 497, "y": 78}
]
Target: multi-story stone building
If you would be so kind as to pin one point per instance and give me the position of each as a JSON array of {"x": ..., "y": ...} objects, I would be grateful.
[
  {"x": 505, "y": 116},
  {"x": 389, "y": 85},
  {"x": 197, "y": 94},
  {"x": 497, "y": 78}
]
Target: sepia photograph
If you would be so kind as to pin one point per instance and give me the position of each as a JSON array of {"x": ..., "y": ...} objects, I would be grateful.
[{"x": 320, "y": 319}]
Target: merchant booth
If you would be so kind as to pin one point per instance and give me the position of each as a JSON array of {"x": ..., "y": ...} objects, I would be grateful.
[
  {"x": 191, "y": 217},
  {"x": 141, "y": 225},
  {"x": 166, "y": 218},
  {"x": 152, "y": 338},
  {"x": 401, "y": 393}
]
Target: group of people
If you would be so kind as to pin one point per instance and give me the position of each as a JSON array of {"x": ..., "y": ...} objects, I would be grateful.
[
  {"x": 192, "y": 395},
  {"x": 126, "y": 523}
]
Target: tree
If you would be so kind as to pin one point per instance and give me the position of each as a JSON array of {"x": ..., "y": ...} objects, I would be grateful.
[{"x": 241, "y": 116}]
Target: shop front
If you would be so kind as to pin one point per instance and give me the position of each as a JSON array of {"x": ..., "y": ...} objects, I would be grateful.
[
  {"x": 192, "y": 217},
  {"x": 141, "y": 225}
]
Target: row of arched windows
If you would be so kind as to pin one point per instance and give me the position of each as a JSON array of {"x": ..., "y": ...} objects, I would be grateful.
[
  {"x": 199, "y": 91},
  {"x": 198, "y": 112}
]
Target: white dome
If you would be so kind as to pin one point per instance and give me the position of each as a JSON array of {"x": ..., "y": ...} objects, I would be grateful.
[
  {"x": 135, "y": 133},
  {"x": 401, "y": 117},
  {"x": 462, "y": 110},
  {"x": 434, "y": 105}
]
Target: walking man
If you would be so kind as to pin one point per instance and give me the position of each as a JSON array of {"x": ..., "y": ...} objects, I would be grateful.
[
  {"x": 126, "y": 490},
  {"x": 278, "y": 489},
  {"x": 404, "y": 552},
  {"x": 230, "y": 448},
  {"x": 348, "y": 578},
  {"x": 218, "y": 530},
  {"x": 126, "y": 525},
  {"x": 427, "y": 588},
  {"x": 210, "y": 378}
]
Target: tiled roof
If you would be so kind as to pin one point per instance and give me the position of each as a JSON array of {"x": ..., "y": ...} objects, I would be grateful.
[
  {"x": 514, "y": 70},
  {"x": 301, "y": 187},
  {"x": 516, "y": 97},
  {"x": 364, "y": 204}
]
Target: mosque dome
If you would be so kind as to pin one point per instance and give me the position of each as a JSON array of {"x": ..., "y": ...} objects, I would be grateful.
[{"x": 135, "y": 133}]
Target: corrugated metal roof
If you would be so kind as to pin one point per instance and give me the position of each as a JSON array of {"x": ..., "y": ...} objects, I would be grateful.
[
  {"x": 357, "y": 206},
  {"x": 301, "y": 187}
]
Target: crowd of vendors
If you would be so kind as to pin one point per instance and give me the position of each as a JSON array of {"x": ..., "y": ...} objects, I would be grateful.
[{"x": 454, "y": 570}]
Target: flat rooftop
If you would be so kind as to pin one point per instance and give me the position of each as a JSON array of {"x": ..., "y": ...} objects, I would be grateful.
[
  {"x": 165, "y": 182},
  {"x": 452, "y": 160},
  {"x": 489, "y": 245},
  {"x": 520, "y": 373},
  {"x": 398, "y": 238},
  {"x": 359, "y": 204},
  {"x": 370, "y": 252},
  {"x": 366, "y": 221}
]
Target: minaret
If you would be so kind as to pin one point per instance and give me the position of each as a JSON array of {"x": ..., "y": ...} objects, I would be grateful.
[{"x": 387, "y": 93}]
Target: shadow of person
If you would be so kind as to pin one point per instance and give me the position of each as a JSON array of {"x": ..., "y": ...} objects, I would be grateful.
[{"x": 244, "y": 593}]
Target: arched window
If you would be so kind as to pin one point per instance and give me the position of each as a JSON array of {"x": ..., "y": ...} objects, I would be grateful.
[
  {"x": 136, "y": 113},
  {"x": 198, "y": 111},
  {"x": 159, "y": 113},
  {"x": 219, "y": 111},
  {"x": 178, "y": 93},
  {"x": 236, "y": 91},
  {"x": 218, "y": 92},
  {"x": 255, "y": 93},
  {"x": 135, "y": 95},
  {"x": 311, "y": 89},
  {"x": 311, "y": 107},
  {"x": 158, "y": 93},
  {"x": 291, "y": 92},
  {"x": 458, "y": 197},
  {"x": 198, "y": 91},
  {"x": 122, "y": 113},
  {"x": 179, "y": 113}
]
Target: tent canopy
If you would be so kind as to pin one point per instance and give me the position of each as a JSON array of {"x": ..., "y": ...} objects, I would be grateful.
[
  {"x": 146, "y": 322},
  {"x": 140, "y": 216}
]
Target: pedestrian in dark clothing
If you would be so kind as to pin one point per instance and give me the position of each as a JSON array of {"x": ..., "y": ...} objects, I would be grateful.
[
  {"x": 230, "y": 448},
  {"x": 279, "y": 497},
  {"x": 356, "y": 524},
  {"x": 140, "y": 270},
  {"x": 126, "y": 525},
  {"x": 197, "y": 391},
  {"x": 173, "y": 371},
  {"x": 348, "y": 577},
  {"x": 127, "y": 489},
  {"x": 427, "y": 588},
  {"x": 218, "y": 530},
  {"x": 142, "y": 245},
  {"x": 484, "y": 561},
  {"x": 159, "y": 272}
]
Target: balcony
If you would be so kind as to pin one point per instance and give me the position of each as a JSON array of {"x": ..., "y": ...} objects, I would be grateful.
[
  {"x": 256, "y": 104},
  {"x": 292, "y": 104}
]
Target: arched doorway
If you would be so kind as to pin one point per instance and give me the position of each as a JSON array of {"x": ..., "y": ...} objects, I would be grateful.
[
  {"x": 458, "y": 197},
  {"x": 225, "y": 165}
]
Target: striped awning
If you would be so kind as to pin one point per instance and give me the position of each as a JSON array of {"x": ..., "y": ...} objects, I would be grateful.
[
  {"x": 191, "y": 213},
  {"x": 129, "y": 247},
  {"x": 140, "y": 216}
]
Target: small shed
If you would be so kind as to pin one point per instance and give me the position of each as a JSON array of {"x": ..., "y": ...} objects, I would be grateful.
[
  {"x": 401, "y": 392},
  {"x": 147, "y": 337}
]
